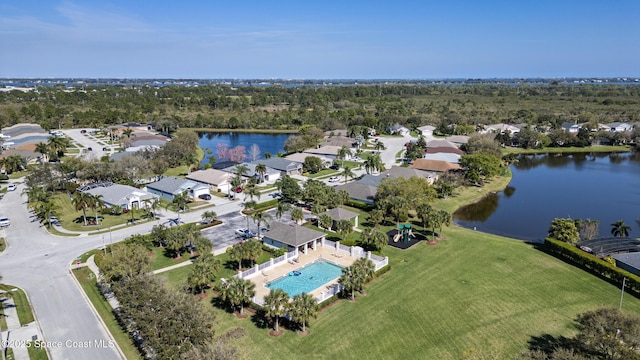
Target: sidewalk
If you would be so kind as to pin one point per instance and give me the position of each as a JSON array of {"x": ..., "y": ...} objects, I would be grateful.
[{"x": 17, "y": 336}]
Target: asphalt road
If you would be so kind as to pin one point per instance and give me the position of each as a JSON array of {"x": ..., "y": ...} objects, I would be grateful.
[
  {"x": 38, "y": 262},
  {"x": 87, "y": 141}
]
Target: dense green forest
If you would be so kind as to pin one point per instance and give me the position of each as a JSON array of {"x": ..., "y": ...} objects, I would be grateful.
[{"x": 278, "y": 107}]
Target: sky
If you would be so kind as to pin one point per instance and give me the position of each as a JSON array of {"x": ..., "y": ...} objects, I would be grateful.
[{"x": 348, "y": 39}]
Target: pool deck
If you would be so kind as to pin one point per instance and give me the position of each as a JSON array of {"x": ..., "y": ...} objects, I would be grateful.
[{"x": 329, "y": 254}]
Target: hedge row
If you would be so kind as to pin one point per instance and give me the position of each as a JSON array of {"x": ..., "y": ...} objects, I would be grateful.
[
  {"x": 593, "y": 264},
  {"x": 262, "y": 206},
  {"x": 360, "y": 205}
]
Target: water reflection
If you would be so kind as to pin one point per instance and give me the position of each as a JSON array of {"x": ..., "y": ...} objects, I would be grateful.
[
  {"x": 599, "y": 186},
  {"x": 480, "y": 210}
]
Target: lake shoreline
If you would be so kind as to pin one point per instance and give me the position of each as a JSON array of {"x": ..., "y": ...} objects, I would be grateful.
[{"x": 248, "y": 131}]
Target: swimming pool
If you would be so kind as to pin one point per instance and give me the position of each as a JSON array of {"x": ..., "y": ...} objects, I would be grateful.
[{"x": 307, "y": 278}]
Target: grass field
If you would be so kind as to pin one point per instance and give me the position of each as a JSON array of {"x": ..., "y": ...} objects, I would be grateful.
[
  {"x": 22, "y": 304},
  {"x": 36, "y": 353},
  {"x": 471, "y": 291}
]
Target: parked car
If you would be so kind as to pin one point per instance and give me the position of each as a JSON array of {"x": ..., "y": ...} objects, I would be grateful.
[
  {"x": 11, "y": 187},
  {"x": 246, "y": 233},
  {"x": 334, "y": 179},
  {"x": 83, "y": 131},
  {"x": 4, "y": 221},
  {"x": 205, "y": 196},
  {"x": 275, "y": 195},
  {"x": 105, "y": 149},
  {"x": 334, "y": 167},
  {"x": 89, "y": 149}
]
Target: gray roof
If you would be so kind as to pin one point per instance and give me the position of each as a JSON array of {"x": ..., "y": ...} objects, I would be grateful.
[
  {"x": 251, "y": 169},
  {"x": 441, "y": 156},
  {"x": 279, "y": 164},
  {"x": 19, "y": 129},
  {"x": 117, "y": 194},
  {"x": 404, "y": 172},
  {"x": 293, "y": 235},
  {"x": 173, "y": 185},
  {"x": 147, "y": 142},
  {"x": 210, "y": 176},
  {"x": 339, "y": 213},
  {"x": 370, "y": 180},
  {"x": 359, "y": 191},
  {"x": 632, "y": 259}
]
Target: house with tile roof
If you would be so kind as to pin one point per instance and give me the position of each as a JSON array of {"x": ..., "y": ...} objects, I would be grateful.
[
  {"x": 217, "y": 180},
  {"x": 124, "y": 196},
  {"x": 436, "y": 166}
]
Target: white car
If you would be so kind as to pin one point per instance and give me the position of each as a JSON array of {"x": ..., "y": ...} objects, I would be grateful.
[
  {"x": 334, "y": 179},
  {"x": 4, "y": 221},
  {"x": 246, "y": 233},
  {"x": 12, "y": 187}
]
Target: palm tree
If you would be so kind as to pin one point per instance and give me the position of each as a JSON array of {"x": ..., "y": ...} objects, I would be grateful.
[
  {"x": 236, "y": 253},
  {"x": 81, "y": 201},
  {"x": 203, "y": 272},
  {"x": 275, "y": 305},
  {"x": 236, "y": 181},
  {"x": 97, "y": 205},
  {"x": 348, "y": 281},
  {"x": 45, "y": 210},
  {"x": 261, "y": 169},
  {"x": 282, "y": 208},
  {"x": 237, "y": 292},
  {"x": 180, "y": 202},
  {"x": 346, "y": 172},
  {"x": 241, "y": 170},
  {"x": 343, "y": 197},
  {"x": 325, "y": 221},
  {"x": 373, "y": 238},
  {"x": 342, "y": 153},
  {"x": 368, "y": 165},
  {"x": 303, "y": 308},
  {"x": 344, "y": 227},
  {"x": 43, "y": 149},
  {"x": 297, "y": 215},
  {"x": 379, "y": 146},
  {"x": 259, "y": 217},
  {"x": 252, "y": 249},
  {"x": 376, "y": 163},
  {"x": 620, "y": 229},
  {"x": 251, "y": 192},
  {"x": 209, "y": 216},
  {"x": 152, "y": 205},
  {"x": 128, "y": 132},
  {"x": 267, "y": 155}
]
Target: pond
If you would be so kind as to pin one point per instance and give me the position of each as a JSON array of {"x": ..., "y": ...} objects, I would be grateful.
[
  {"x": 270, "y": 143},
  {"x": 603, "y": 187}
]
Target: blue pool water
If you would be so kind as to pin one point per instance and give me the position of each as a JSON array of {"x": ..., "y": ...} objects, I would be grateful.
[{"x": 310, "y": 278}]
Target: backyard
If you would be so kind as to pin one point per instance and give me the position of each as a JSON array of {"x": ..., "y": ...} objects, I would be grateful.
[{"x": 471, "y": 291}]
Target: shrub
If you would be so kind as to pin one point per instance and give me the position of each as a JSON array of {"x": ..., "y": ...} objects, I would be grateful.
[{"x": 593, "y": 264}]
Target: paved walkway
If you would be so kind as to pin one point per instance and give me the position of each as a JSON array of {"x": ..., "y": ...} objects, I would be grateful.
[{"x": 16, "y": 335}]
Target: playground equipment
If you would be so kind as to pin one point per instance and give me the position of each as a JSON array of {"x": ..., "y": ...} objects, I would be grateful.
[{"x": 404, "y": 231}]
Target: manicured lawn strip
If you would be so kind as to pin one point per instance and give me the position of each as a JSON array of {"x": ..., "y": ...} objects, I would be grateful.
[
  {"x": 106, "y": 313},
  {"x": 71, "y": 219},
  {"x": 473, "y": 290},
  {"x": 466, "y": 195},
  {"x": 3, "y": 244},
  {"x": 22, "y": 304},
  {"x": 36, "y": 353},
  {"x": 3, "y": 321},
  {"x": 159, "y": 260},
  {"x": 83, "y": 258},
  {"x": 324, "y": 173}
]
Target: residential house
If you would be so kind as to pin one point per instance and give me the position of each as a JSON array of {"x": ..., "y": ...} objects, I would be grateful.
[
  {"x": 217, "y": 180},
  {"x": 434, "y": 165},
  {"x": 398, "y": 130},
  {"x": 339, "y": 141},
  {"x": 500, "y": 128},
  {"x": 426, "y": 130},
  {"x": 443, "y": 149},
  {"x": 124, "y": 196},
  {"x": 441, "y": 143},
  {"x": 407, "y": 173},
  {"x": 619, "y": 127},
  {"x": 359, "y": 191},
  {"x": 221, "y": 165},
  {"x": 457, "y": 140},
  {"x": 270, "y": 176},
  {"x": 170, "y": 186},
  {"x": 330, "y": 152},
  {"x": 571, "y": 127},
  {"x": 300, "y": 157},
  {"x": 443, "y": 156},
  {"x": 285, "y": 166},
  {"x": 291, "y": 236}
]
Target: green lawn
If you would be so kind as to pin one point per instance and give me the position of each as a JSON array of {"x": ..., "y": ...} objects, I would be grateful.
[
  {"x": 3, "y": 321},
  {"x": 106, "y": 313},
  {"x": 37, "y": 353},
  {"x": 22, "y": 304},
  {"x": 324, "y": 173},
  {"x": 472, "y": 290},
  {"x": 159, "y": 260},
  {"x": 3, "y": 244}
]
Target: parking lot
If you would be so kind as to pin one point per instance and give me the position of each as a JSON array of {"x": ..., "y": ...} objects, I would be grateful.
[{"x": 225, "y": 234}]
